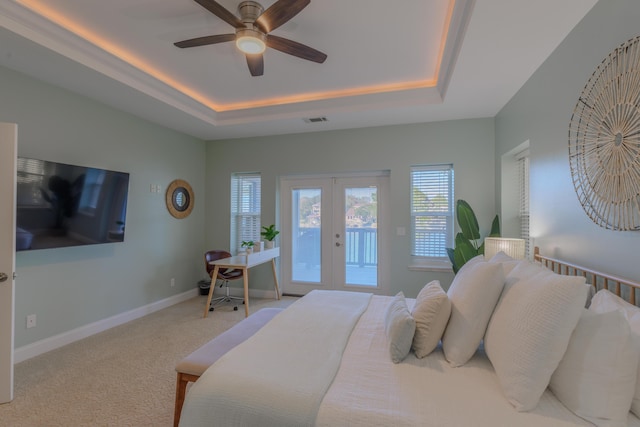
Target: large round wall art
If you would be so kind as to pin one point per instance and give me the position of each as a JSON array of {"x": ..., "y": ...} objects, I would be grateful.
[
  {"x": 179, "y": 199},
  {"x": 604, "y": 141}
]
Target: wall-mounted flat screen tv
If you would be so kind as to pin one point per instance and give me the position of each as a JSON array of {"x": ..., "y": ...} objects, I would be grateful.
[{"x": 61, "y": 205}]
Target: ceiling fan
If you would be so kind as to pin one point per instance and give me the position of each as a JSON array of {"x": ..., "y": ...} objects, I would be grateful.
[{"x": 252, "y": 31}]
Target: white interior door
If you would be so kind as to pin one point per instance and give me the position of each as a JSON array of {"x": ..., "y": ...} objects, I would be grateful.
[
  {"x": 332, "y": 233},
  {"x": 8, "y": 155}
]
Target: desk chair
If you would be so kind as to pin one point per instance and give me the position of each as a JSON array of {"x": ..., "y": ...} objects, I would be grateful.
[{"x": 224, "y": 275}]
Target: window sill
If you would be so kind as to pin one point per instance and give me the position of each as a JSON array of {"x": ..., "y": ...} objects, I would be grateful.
[{"x": 431, "y": 265}]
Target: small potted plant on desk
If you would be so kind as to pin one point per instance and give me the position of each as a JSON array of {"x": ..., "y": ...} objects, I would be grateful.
[
  {"x": 269, "y": 234},
  {"x": 248, "y": 246}
]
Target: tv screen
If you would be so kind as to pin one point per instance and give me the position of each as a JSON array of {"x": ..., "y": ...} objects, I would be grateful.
[{"x": 62, "y": 205}]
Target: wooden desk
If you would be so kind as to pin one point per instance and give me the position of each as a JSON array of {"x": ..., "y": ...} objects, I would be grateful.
[{"x": 244, "y": 263}]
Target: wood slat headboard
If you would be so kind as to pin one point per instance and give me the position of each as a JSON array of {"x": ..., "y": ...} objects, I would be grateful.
[{"x": 624, "y": 288}]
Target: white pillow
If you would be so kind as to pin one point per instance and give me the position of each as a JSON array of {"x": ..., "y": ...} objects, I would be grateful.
[
  {"x": 476, "y": 259},
  {"x": 473, "y": 294},
  {"x": 431, "y": 313},
  {"x": 605, "y": 301},
  {"x": 596, "y": 378},
  {"x": 399, "y": 327},
  {"x": 524, "y": 269},
  {"x": 530, "y": 329},
  {"x": 508, "y": 263}
]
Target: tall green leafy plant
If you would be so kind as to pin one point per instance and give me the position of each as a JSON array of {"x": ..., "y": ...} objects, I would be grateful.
[{"x": 468, "y": 243}]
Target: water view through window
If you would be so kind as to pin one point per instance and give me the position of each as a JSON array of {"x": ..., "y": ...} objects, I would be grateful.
[
  {"x": 361, "y": 236},
  {"x": 307, "y": 224}
]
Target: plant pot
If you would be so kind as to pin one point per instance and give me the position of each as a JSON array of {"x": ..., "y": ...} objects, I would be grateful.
[{"x": 269, "y": 244}]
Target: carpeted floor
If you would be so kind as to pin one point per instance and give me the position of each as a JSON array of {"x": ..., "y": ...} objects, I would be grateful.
[{"x": 121, "y": 377}]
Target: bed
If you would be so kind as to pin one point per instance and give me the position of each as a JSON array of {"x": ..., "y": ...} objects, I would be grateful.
[{"x": 280, "y": 378}]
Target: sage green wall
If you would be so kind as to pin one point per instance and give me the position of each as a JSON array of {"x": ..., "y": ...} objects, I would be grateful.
[
  {"x": 540, "y": 112},
  {"x": 71, "y": 287},
  {"x": 468, "y": 144}
]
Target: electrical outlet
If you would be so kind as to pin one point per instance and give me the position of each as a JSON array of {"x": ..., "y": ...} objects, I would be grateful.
[
  {"x": 31, "y": 321},
  {"x": 173, "y": 282}
]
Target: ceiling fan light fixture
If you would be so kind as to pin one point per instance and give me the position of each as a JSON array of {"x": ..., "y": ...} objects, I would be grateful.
[
  {"x": 250, "y": 41},
  {"x": 252, "y": 31}
]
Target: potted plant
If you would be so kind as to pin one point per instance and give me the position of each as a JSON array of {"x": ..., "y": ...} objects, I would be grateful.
[
  {"x": 269, "y": 234},
  {"x": 248, "y": 245},
  {"x": 468, "y": 242}
]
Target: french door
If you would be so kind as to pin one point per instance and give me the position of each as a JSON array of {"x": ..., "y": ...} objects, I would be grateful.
[{"x": 334, "y": 231}]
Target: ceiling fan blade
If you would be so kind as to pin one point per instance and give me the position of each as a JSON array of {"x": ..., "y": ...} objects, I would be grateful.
[
  {"x": 206, "y": 40},
  {"x": 295, "y": 49},
  {"x": 222, "y": 13},
  {"x": 256, "y": 64},
  {"x": 279, "y": 13}
]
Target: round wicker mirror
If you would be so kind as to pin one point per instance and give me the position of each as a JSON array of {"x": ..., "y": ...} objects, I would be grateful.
[
  {"x": 179, "y": 198},
  {"x": 604, "y": 141}
]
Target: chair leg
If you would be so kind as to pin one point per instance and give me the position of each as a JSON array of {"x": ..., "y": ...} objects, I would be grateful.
[
  {"x": 226, "y": 298},
  {"x": 216, "y": 300}
]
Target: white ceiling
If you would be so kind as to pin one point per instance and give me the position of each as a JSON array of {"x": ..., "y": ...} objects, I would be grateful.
[{"x": 427, "y": 60}]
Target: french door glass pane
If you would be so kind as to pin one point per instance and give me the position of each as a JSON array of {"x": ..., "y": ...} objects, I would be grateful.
[
  {"x": 306, "y": 227},
  {"x": 361, "y": 236}
]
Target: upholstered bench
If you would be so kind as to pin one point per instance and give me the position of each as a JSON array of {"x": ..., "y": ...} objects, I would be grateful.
[{"x": 193, "y": 366}]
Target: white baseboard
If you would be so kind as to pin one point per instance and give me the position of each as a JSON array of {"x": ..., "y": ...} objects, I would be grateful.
[
  {"x": 39, "y": 347},
  {"x": 253, "y": 293}
]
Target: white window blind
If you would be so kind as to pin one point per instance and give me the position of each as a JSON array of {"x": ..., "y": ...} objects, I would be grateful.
[
  {"x": 245, "y": 208},
  {"x": 431, "y": 210},
  {"x": 523, "y": 191}
]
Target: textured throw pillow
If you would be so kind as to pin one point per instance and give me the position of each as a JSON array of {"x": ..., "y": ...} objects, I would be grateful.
[
  {"x": 399, "y": 327},
  {"x": 530, "y": 329},
  {"x": 605, "y": 301},
  {"x": 431, "y": 313},
  {"x": 596, "y": 377},
  {"x": 473, "y": 295}
]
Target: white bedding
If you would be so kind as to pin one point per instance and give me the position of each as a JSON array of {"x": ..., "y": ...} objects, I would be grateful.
[{"x": 369, "y": 390}]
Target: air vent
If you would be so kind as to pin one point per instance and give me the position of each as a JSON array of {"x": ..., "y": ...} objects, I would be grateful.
[{"x": 316, "y": 119}]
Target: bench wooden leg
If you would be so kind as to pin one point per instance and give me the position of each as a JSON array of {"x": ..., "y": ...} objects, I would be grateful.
[{"x": 181, "y": 392}]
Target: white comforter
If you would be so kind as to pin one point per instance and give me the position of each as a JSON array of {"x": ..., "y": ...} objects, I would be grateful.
[{"x": 369, "y": 390}]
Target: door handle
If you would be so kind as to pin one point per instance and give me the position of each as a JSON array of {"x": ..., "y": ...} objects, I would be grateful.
[
  {"x": 3, "y": 277},
  {"x": 338, "y": 244}
]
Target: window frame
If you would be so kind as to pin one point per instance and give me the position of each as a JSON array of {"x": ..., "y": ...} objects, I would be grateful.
[
  {"x": 245, "y": 211},
  {"x": 524, "y": 211},
  {"x": 420, "y": 261}
]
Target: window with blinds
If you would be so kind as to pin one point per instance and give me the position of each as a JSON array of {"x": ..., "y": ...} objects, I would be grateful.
[
  {"x": 431, "y": 210},
  {"x": 523, "y": 195},
  {"x": 245, "y": 208}
]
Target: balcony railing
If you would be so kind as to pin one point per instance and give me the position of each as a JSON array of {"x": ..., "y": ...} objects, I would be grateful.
[{"x": 360, "y": 246}]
